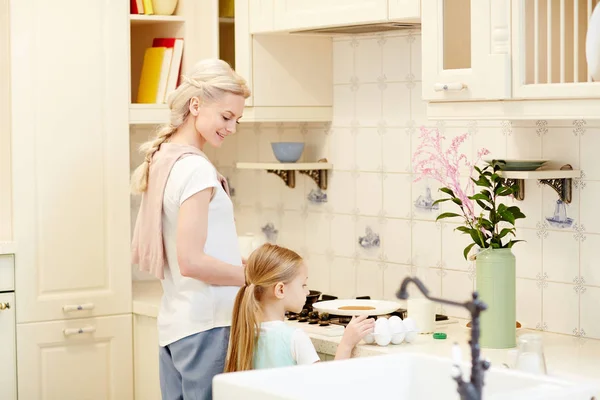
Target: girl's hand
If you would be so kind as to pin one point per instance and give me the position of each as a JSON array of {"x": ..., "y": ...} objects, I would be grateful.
[{"x": 356, "y": 330}]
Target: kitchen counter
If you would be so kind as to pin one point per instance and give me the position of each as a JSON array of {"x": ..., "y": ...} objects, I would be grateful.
[
  {"x": 567, "y": 356},
  {"x": 7, "y": 247}
]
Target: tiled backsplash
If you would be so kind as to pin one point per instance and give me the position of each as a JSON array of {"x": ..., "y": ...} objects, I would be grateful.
[{"x": 377, "y": 113}]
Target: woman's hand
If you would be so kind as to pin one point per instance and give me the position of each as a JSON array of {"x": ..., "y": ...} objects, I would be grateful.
[{"x": 355, "y": 331}]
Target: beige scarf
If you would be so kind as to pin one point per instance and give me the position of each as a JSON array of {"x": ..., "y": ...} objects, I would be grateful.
[{"x": 147, "y": 247}]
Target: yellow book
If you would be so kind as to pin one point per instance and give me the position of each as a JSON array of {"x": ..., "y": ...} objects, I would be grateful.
[
  {"x": 148, "y": 9},
  {"x": 150, "y": 76}
]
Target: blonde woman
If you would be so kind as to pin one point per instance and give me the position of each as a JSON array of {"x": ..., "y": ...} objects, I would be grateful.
[
  {"x": 185, "y": 233},
  {"x": 275, "y": 283}
]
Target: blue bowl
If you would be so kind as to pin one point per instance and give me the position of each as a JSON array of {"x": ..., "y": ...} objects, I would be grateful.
[{"x": 287, "y": 152}]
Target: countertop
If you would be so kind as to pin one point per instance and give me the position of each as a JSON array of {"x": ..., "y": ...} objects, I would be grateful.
[
  {"x": 567, "y": 356},
  {"x": 7, "y": 247}
]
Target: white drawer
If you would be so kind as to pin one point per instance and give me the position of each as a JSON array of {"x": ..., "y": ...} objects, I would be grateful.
[{"x": 7, "y": 273}]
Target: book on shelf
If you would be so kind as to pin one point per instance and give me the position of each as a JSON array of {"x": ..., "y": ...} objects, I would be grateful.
[
  {"x": 160, "y": 70},
  {"x": 141, "y": 7}
]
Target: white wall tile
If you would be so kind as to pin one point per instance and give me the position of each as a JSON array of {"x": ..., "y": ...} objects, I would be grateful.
[
  {"x": 524, "y": 143},
  {"x": 368, "y": 104},
  {"x": 342, "y": 192},
  {"x": 368, "y": 149},
  {"x": 271, "y": 184},
  {"x": 396, "y": 107},
  {"x": 344, "y": 283},
  {"x": 247, "y": 182},
  {"x": 426, "y": 244},
  {"x": 590, "y": 321},
  {"x": 456, "y": 286},
  {"x": 528, "y": 254},
  {"x": 369, "y": 193},
  {"x": 363, "y": 225},
  {"x": 343, "y": 153},
  {"x": 343, "y": 104},
  {"x": 397, "y": 195},
  {"x": 396, "y": 58},
  {"x": 590, "y": 211},
  {"x": 291, "y": 232},
  {"x": 267, "y": 136},
  {"x": 590, "y": 260},
  {"x": 560, "y": 308},
  {"x": 560, "y": 255},
  {"x": 317, "y": 232},
  {"x": 453, "y": 245},
  {"x": 396, "y": 150},
  {"x": 396, "y": 241},
  {"x": 343, "y": 235},
  {"x": 369, "y": 279},
  {"x": 415, "y": 56},
  {"x": 343, "y": 61},
  {"x": 561, "y": 145},
  {"x": 368, "y": 60},
  {"x": 590, "y": 163},
  {"x": 529, "y": 303},
  {"x": 319, "y": 273},
  {"x": 393, "y": 275}
]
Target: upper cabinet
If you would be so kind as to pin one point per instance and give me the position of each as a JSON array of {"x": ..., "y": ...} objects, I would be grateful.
[
  {"x": 518, "y": 59},
  {"x": 306, "y": 15},
  {"x": 290, "y": 76}
]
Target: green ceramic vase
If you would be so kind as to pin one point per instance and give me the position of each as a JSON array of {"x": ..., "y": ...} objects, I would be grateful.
[{"x": 496, "y": 281}]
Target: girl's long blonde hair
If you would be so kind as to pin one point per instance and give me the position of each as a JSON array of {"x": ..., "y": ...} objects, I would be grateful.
[
  {"x": 267, "y": 265},
  {"x": 208, "y": 80}
]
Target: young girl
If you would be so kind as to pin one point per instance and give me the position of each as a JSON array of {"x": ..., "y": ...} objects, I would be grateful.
[{"x": 275, "y": 283}]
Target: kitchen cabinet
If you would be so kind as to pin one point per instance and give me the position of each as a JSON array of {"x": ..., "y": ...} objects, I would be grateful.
[
  {"x": 5, "y": 158},
  {"x": 290, "y": 76},
  {"x": 8, "y": 355},
  {"x": 70, "y": 153},
  {"x": 305, "y": 14},
  {"x": 506, "y": 59},
  {"x": 86, "y": 358},
  {"x": 404, "y": 10},
  {"x": 145, "y": 356}
]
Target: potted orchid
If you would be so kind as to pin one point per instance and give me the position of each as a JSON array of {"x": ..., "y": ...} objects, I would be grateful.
[{"x": 491, "y": 228}]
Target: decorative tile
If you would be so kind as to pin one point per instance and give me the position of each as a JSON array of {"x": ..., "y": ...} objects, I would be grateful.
[
  {"x": 369, "y": 279},
  {"x": 426, "y": 244},
  {"x": 590, "y": 256},
  {"x": 560, "y": 256},
  {"x": 369, "y": 193},
  {"x": 343, "y": 285},
  {"x": 528, "y": 254},
  {"x": 368, "y": 60},
  {"x": 560, "y": 301},
  {"x": 529, "y": 303},
  {"x": 343, "y": 104},
  {"x": 397, "y": 195},
  {"x": 343, "y": 238},
  {"x": 396, "y": 107},
  {"x": 456, "y": 286},
  {"x": 368, "y": 149},
  {"x": 590, "y": 323},
  {"x": 317, "y": 232},
  {"x": 319, "y": 274},
  {"x": 396, "y": 240},
  {"x": 343, "y": 62},
  {"x": 396, "y": 59},
  {"x": 368, "y": 104}
]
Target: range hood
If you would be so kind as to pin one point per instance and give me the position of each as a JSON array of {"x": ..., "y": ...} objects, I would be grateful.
[{"x": 361, "y": 28}]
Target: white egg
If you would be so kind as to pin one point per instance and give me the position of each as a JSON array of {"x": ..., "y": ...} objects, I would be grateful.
[
  {"x": 397, "y": 330},
  {"x": 382, "y": 325},
  {"x": 383, "y": 339},
  {"x": 369, "y": 338},
  {"x": 411, "y": 330}
]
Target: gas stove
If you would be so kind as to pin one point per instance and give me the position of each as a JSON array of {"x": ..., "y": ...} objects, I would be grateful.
[{"x": 312, "y": 317}]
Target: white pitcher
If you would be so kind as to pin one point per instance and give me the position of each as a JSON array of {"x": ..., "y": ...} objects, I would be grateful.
[{"x": 248, "y": 243}]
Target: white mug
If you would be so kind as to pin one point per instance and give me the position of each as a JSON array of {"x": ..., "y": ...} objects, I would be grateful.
[{"x": 422, "y": 311}]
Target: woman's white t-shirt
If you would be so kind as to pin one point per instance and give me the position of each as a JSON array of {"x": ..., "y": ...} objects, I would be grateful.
[{"x": 189, "y": 305}]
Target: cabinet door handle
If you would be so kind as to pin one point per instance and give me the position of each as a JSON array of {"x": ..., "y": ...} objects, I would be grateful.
[
  {"x": 449, "y": 87},
  {"x": 79, "y": 331},
  {"x": 4, "y": 306},
  {"x": 78, "y": 307}
]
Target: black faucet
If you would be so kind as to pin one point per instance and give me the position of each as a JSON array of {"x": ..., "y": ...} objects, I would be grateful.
[{"x": 472, "y": 390}]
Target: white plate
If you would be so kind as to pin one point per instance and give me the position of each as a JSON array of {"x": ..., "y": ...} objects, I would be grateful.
[{"x": 380, "y": 307}]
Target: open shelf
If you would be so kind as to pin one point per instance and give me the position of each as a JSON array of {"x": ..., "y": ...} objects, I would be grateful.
[
  {"x": 144, "y": 114},
  {"x": 317, "y": 171},
  {"x": 541, "y": 174},
  {"x": 139, "y": 19},
  {"x": 560, "y": 181},
  {"x": 285, "y": 166}
]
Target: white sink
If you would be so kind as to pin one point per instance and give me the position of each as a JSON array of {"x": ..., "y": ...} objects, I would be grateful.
[{"x": 395, "y": 377}]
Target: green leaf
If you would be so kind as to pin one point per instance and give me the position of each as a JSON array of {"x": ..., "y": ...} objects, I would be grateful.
[
  {"x": 482, "y": 182},
  {"x": 476, "y": 168},
  {"x": 447, "y": 191},
  {"x": 447, "y": 215},
  {"x": 514, "y": 210},
  {"x": 441, "y": 200},
  {"x": 480, "y": 196},
  {"x": 505, "y": 232},
  {"x": 463, "y": 229},
  {"x": 458, "y": 201},
  {"x": 504, "y": 191},
  {"x": 482, "y": 205},
  {"x": 512, "y": 242},
  {"x": 476, "y": 238},
  {"x": 467, "y": 249},
  {"x": 507, "y": 216}
]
